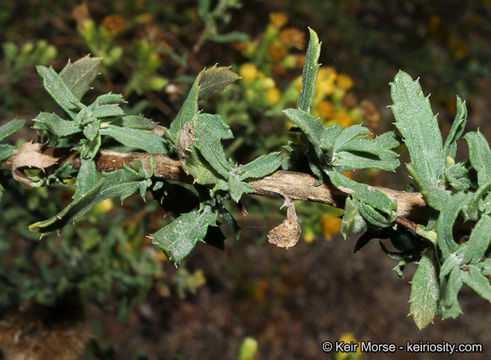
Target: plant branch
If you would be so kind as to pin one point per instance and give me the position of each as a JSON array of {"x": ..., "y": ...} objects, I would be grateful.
[{"x": 411, "y": 208}]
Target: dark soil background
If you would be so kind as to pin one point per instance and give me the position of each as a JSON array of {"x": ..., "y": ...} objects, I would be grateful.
[{"x": 311, "y": 293}]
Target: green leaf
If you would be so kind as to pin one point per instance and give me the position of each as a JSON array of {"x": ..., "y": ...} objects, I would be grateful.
[
  {"x": 108, "y": 98},
  {"x": 353, "y": 150},
  {"x": 425, "y": 291},
  {"x": 11, "y": 127},
  {"x": 137, "y": 122},
  {"x": 477, "y": 281},
  {"x": 479, "y": 155},
  {"x": 362, "y": 192},
  {"x": 103, "y": 111},
  {"x": 138, "y": 139},
  {"x": 352, "y": 222},
  {"x": 260, "y": 167},
  {"x": 419, "y": 128},
  {"x": 120, "y": 183},
  {"x": 86, "y": 177},
  {"x": 449, "y": 290},
  {"x": 310, "y": 126},
  {"x": 486, "y": 267},
  {"x": 188, "y": 111},
  {"x": 59, "y": 91},
  {"x": 435, "y": 197},
  {"x": 209, "y": 131},
  {"x": 458, "y": 177},
  {"x": 214, "y": 80},
  {"x": 445, "y": 222},
  {"x": 5, "y": 151},
  {"x": 91, "y": 130},
  {"x": 476, "y": 201},
  {"x": 202, "y": 173},
  {"x": 178, "y": 238},
  {"x": 55, "y": 124},
  {"x": 309, "y": 74},
  {"x": 450, "y": 148},
  {"x": 478, "y": 243},
  {"x": 238, "y": 187},
  {"x": 79, "y": 75}
]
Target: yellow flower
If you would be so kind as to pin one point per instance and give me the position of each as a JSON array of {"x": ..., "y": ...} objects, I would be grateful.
[
  {"x": 344, "y": 82},
  {"x": 114, "y": 24},
  {"x": 273, "y": 96},
  {"x": 268, "y": 83},
  {"x": 348, "y": 338},
  {"x": 330, "y": 225},
  {"x": 309, "y": 236},
  {"x": 327, "y": 73},
  {"x": 293, "y": 37},
  {"x": 297, "y": 83},
  {"x": 343, "y": 118},
  {"x": 325, "y": 109},
  {"x": 161, "y": 257},
  {"x": 104, "y": 206},
  {"x": 278, "y": 19},
  {"x": 248, "y": 71},
  {"x": 370, "y": 114},
  {"x": 277, "y": 50},
  {"x": 325, "y": 80}
]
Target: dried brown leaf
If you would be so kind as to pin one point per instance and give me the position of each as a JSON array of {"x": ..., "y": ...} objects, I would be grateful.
[
  {"x": 30, "y": 155},
  {"x": 288, "y": 232}
]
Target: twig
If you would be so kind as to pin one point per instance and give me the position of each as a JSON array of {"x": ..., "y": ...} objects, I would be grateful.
[{"x": 411, "y": 207}]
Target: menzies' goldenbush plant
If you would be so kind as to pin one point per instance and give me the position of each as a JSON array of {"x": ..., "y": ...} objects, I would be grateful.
[{"x": 449, "y": 243}]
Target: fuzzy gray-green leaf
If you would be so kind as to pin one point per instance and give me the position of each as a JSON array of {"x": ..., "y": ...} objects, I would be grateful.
[
  {"x": 309, "y": 74},
  {"x": 479, "y": 155},
  {"x": 261, "y": 166},
  {"x": 450, "y": 148},
  {"x": 178, "y": 238},
  {"x": 188, "y": 110},
  {"x": 449, "y": 290},
  {"x": 215, "y": 79},
  {"x": 425, "y": 291},
  {"x": 446, "y": 220},
  {"x": 237, "y": 187},
  {"x": 209, "y": 131},
  {"x": 120, "y": 183},
  {"x": 5, "y": 151},
  {"x": 11, "y": 127},
  {"x": 79, "y": 75},
  {"x": 353, "y": 150},
  {"x": 55, "y": 124},
  {"x": 362, "y": 192},
  {"x": 59, "y": 91},
  {"x": 138, "y": 139},
  {"x": 477, "y": 281},
  {"x": 309, "y": 124},
  {"x": 419, "y": 128},
  {"x": 137, "y": 122},
  {"x": 478, "y": 242},
  {"x": 86, "y": 177},
  {"x": 352, "y": 222}
]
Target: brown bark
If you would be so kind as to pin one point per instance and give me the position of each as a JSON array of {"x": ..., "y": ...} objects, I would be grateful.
[{"x": 411, "y": 208}]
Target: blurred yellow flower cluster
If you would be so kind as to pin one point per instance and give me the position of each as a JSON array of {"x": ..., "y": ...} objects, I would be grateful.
[
  {"x": 334, "y": 103},
  {"x": 259, "y": 89},
  {"x": 330, "y": 225},
  {"x": 348, "y": 338}
]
